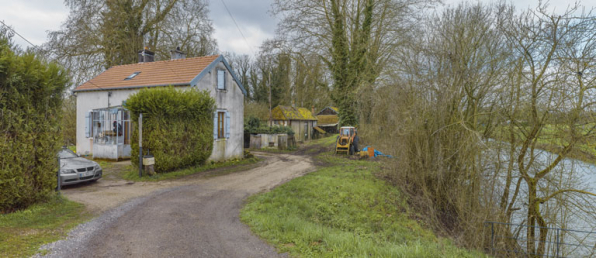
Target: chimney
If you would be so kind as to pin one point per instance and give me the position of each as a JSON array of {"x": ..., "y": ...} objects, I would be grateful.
[
  {"x": 313, "y": 110},
  {"x": 146, "y": 56},
  {"x": 177, "y": 54}
]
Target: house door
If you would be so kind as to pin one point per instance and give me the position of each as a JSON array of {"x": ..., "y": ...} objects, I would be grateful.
[{"x": 306, "y": 131}]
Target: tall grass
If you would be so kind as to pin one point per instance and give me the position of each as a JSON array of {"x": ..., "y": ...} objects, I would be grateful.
[{"x": 343, "y": 210}]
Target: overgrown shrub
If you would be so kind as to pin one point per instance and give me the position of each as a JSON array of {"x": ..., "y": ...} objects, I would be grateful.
[
  {"x": 177, "y": 126},
  {"x": 251, "y": 123},
  {"x": 273, "y": 130},
  {"x": 31, "y": 95}
]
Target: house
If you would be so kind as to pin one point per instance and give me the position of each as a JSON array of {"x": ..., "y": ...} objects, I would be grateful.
[
  {"x": 328, "y": 119},
  {"x": 301, "y": 120},
  {"x": 104, "y": 128}
]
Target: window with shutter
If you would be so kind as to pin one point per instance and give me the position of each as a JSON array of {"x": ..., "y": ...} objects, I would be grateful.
[
  {"x": 220, "y": 124},
  {"x": 221, "y": 79}
]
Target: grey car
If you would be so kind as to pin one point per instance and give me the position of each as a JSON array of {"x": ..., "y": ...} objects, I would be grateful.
[{"x": 74, "y": 169}]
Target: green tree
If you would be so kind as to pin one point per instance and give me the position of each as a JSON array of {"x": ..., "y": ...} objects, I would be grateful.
[{"x": 355, "y": 38}]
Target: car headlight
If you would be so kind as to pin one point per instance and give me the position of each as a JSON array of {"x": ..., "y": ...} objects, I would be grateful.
[
  {"x": 67, "y": 171},
  {"x": 97, "y": 167}
]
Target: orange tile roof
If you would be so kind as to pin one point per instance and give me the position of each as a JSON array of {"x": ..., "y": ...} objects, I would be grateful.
[{"x": 159, "y": 73}]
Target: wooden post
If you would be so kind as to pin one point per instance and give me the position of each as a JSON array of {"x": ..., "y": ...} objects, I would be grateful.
[{"x": 141, "y": 145}]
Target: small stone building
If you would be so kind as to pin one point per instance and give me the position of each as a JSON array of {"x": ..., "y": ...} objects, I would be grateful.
[{"x": 300, "y": 119}]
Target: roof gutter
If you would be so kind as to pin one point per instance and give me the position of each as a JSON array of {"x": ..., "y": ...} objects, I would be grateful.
[{"x": 134, "y": 87}]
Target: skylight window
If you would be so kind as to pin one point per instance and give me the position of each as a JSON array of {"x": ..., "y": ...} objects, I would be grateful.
[{"x": 133, "y": 75}]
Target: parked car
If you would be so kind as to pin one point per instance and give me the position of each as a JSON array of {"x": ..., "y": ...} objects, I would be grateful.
[{"x": 74, "y": 169}]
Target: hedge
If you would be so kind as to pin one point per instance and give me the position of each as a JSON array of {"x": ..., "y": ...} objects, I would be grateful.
[
  {"x": 177, "y": 126},
  {"x": 273, "y": 130},
  {"x": 31, "y": 95},
  {"x": 253, "y": 125}
]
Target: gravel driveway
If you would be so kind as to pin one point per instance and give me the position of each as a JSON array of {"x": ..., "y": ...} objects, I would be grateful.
[{"x": 198, "y": 218}]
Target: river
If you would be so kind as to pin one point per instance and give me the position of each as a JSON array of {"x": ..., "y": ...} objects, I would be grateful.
[{"x": 574, "y": 213}]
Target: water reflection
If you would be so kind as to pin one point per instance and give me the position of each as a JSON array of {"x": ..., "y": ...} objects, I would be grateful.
[{"x": 572, "y": 210}]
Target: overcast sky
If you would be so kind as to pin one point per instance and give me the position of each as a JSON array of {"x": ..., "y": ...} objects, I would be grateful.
[{"x": 34, "y": 18}]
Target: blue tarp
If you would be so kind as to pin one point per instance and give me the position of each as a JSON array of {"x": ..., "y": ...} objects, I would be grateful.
[{"x": 377, "y": 153}]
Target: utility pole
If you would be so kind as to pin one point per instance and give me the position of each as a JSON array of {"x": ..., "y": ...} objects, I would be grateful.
[
  {"x": 141, "y": 145},
  {"x": 270, "y": 116}
]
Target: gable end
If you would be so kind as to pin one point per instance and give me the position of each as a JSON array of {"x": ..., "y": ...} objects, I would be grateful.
[{"x": 211, "y": 66}]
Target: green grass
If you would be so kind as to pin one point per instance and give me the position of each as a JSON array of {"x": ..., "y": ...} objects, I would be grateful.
[
  {"x": 343, "y": 210},
  {"x": 23, "y": 232},
  {"x": 276, "y": 150},
  {"x": 236, "y": 165},
  {"x": 105, "y": 164},
  {"x": 327, "y": 141}
]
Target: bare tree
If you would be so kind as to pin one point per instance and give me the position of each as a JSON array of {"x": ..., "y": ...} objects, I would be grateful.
[{"x": 100, "y": 34}]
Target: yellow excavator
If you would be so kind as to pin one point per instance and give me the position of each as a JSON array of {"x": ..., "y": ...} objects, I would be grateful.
[{"x": 345, "y": 140}]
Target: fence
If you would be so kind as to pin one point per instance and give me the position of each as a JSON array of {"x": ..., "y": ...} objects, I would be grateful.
[{"x": 508, "y": 239}]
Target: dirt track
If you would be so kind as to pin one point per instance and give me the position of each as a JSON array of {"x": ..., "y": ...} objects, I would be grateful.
[{"x": 193, "y": 217}]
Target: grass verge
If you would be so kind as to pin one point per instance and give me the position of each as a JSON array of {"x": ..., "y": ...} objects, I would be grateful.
[
  {"x": 232, "y": 165},
  {"x": 275, "y": 150},
  {"x": 23, "y": 232},
  {"x": 343, "y": 210}
]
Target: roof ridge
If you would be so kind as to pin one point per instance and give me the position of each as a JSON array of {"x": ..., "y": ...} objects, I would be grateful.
[{"x": 163, "y": 61}]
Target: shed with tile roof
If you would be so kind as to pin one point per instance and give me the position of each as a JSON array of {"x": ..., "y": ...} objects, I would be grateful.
[{"x": 112, "y": 88}]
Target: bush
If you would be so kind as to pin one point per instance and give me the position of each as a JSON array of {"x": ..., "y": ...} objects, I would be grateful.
[
  {"x": 31, "y": 96},
  {"x": 273, "y": 130},
  {"x": 177, "y": 126},
  {"x": 252, "y": 123}
]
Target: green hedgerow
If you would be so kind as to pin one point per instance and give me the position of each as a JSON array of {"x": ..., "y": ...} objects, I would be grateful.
[
  {"x": 177, "y": 126},
  {"x": 31, "y": 95}
]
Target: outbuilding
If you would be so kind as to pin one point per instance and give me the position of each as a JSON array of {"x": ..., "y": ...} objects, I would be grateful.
[
  {"x": 328, "y": 119},
  {"x": 300, "y": 119},
  {"x": 104, "y": 127}
]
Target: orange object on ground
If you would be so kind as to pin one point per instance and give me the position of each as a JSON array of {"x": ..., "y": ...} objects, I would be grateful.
[{"x": 371, "y": 152}]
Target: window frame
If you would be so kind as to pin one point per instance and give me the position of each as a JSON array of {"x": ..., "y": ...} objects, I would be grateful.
[{"x": 221, "y": 116}]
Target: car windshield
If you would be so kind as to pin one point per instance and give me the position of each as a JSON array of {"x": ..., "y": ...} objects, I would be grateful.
[{"x": 66, "y": 154}]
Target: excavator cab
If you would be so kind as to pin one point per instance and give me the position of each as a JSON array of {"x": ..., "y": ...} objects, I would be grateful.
[{"x": 345, "y": 140}]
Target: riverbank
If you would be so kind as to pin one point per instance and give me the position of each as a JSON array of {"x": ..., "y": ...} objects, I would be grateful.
[{"x": 343, "y": 210}]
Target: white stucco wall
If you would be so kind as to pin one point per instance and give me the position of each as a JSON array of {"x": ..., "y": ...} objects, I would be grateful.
[{"x": 230, "y": 100}]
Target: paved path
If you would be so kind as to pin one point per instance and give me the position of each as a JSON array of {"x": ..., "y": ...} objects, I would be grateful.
[{"x": 199, "y": 219}]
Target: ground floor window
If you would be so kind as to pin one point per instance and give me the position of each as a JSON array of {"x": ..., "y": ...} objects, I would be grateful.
[{"x": 220, "y": 124}]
